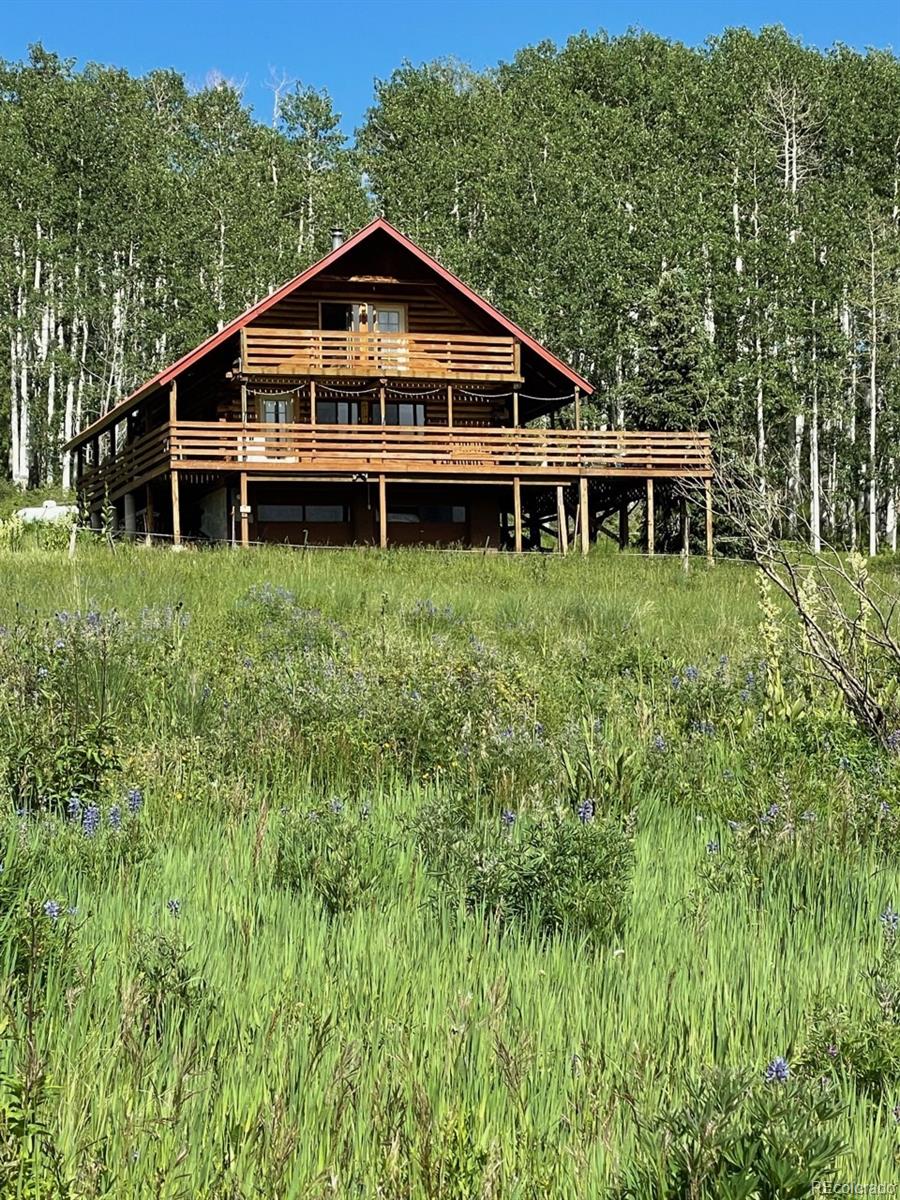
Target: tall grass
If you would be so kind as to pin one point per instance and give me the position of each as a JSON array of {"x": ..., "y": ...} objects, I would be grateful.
[{"x": 199, "y": 1028}]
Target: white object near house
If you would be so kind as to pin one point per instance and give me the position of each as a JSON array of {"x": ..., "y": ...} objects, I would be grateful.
[{"x": 49, "y": 511}]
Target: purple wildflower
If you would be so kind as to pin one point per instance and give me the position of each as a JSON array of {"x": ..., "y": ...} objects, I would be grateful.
[
  {"x": 778, "y": 1070},
  {"x": 91, "y": 820},
  {"x": 52, "y": 909},
  {"x": 586, "y": 811}
]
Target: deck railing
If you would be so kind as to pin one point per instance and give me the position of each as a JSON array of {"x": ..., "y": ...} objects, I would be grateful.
[
  {"x": 290, "y": 352},
  {"x": 438, "y": 450},
  {"x": 468, "y": 452}
]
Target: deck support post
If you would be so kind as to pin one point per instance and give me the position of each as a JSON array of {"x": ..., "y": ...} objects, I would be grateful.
[
  {"x": 707, "y": 488},
  {"x": 148, "y": 514},
  {"x": 382, "y": 512},
  {"x": 562, "y": 521},
  {"x": 623, "y": 523},
  {"x": 585, "y": 514},
  {"x": 684, "y": 521},
  {"x": 312, "y": 402},
  {"x": 515, "y": 408},
  {"x": 128, "y": 513},
  {"x": 176, "y": 509},
  {"x": 449, "y": 405},
  {"x": 173, "y": 401},
  {"x": 517, "y": 513},
  {"x": 244, "y": 403},
  {"x": 651, "y": 520},
  {"x": 245, "y": 515},
  {"x": 577, "y": 406}
]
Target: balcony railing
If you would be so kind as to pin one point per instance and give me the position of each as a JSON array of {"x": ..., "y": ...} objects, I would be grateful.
[
  {"x": 473, "y": 452},
  {"x": 323, "y": 352}
]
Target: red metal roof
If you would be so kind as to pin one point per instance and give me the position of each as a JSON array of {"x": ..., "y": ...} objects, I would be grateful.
[{"x": 187, "y": 360}]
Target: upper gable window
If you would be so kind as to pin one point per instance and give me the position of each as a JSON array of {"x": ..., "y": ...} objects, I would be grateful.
[{"x": 368, "y": 316}]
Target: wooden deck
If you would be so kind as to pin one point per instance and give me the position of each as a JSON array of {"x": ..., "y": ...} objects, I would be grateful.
[
  {"x": 473, "y": 454},
  {"x": 323, "y": 352}
]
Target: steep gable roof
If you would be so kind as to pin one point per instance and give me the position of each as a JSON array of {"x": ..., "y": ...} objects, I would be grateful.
[{"x": 217, "y": 339}]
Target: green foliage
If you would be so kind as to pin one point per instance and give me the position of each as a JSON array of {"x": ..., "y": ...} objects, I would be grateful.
[
  {"x": 454, "y": 1002},
  {"x": 737, "y": 1140},
  {"x": 335, "y": 854},
  {"x": 552, "y": 873}
]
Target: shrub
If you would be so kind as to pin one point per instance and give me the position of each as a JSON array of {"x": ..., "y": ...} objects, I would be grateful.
[
  {"x": 736, "y": 1138},
  {"x": 333, "y": 853},
  {"x": 559, "y": 871}
]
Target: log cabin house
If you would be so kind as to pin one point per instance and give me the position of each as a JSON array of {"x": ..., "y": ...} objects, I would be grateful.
[{"x": 374, "y": 400}]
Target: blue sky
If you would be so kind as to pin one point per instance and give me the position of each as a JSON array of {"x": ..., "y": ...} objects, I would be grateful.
[{"x": 343, "y": 45}]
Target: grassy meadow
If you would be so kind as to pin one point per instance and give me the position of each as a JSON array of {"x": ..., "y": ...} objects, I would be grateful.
[{"x": 428, "y": 875}]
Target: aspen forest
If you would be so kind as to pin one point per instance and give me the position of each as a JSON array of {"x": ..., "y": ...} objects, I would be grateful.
[{"x": 711, "y": 235}]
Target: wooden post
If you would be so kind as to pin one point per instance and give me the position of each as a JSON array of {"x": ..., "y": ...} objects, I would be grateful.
[
  {"x": 651, "y": 532},
  {"x": 449, "y": 405},
  {"x": 382, "y": 414},
  {"x": 562, "y": 521},
  {"x": 623, "y": 523},
  {"x": 707, "y": 487},
  {"x": 244, "y": 403},
  {"x": 584, "y": 513},
  {"x": 173, "y": 401},
  {"x": 176, "y": 510},
  {"x": 577, "y": 407},
  {"x": 312, "y": 402},
  {"x": 685, "y": 522},
  {"x": 128, "y": 513},
  {"x": 517, "y": 513},
  {"x": 515, "y": 408},
  {"x": 245, "y": 516},
  {"x": 382, "y": 512},
  {"x": 148, "y": 514}
]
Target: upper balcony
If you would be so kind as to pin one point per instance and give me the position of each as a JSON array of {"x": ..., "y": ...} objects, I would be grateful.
[{"x": 266, "y": 350}]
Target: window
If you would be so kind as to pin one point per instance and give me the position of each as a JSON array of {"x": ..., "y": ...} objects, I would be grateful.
[
  {"x": 404, "y": 413},
  {"x": 428, "y": 514},
  {"x": 362, "y": 317},
  {"x": 337, "y": 412},
  {"x": 315, "y": 514},
  {"x": 276, "y": 410}
]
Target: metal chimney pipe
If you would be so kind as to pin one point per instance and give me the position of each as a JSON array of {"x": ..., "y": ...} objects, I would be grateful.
[{"x": 337, "y": 238}]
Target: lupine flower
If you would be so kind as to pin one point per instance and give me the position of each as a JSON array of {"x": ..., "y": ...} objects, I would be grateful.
[
  {"x": 692, "y": 674},
  {"x": 174, "y": 907},
  {"x": 884, "y": 809},
  {"x": 586, "y": 811},
  {"x": 890, "y": 920},
  {"x": 659, "y": 743},
  {"x": 844, "y": 763},
  {"x": 73, "y": 808},
  {"x": 728, "y": 774},
  {"x": 336, "y": 807},
  {"x": 893, "y": 740},
  {"x": 91, "y": 820},
  {"x": 712, "y": 847},
  {"x": 135, "y": 800},
  {"x": 677, "y": 682},
  {"x": 508, "y": 817},
  {"x": 115, "y": 817},
  {"x": 42, "y": 672},
  {"x": 744, "y": 695},
  {"x": 52, "y": 909},
  {"x": 778, "y": 1070}
]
